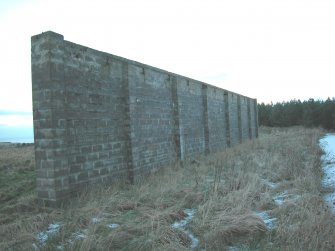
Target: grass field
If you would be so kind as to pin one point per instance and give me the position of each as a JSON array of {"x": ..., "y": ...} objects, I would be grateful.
[{"x": 262, "y": 195}]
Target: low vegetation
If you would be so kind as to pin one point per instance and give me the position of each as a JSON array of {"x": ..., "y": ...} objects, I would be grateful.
[{"x": 277, "y": 174}]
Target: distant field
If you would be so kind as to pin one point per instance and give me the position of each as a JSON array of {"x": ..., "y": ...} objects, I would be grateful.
[{"x": 261, "y": 195}]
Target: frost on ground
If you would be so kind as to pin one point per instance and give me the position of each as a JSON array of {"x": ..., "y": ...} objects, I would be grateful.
[
  {"x": 182, "y": 226},
  {"x": 328, "y": 181}
]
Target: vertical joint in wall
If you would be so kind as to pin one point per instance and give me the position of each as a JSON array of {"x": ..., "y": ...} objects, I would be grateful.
[
  {"x": 239, "y": 120},
  {"x": 205, "y": 116},
  {"x": 227, "y": 120},
  {"x": 175, "y": 109}
]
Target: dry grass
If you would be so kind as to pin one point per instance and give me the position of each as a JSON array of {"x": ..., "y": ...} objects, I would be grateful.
[{"x": 226, "y": 189}]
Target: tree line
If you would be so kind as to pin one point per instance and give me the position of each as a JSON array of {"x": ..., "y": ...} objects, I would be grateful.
[{"x": 311, "y": 113}]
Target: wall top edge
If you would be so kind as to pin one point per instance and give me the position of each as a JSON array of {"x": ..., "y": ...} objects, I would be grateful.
[
  {"x": 57, "y": 36},
  {"x": 48, "y": 34}
]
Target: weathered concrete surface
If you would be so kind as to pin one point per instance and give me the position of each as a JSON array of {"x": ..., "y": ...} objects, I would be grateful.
[{"x": 99, "y": 117}]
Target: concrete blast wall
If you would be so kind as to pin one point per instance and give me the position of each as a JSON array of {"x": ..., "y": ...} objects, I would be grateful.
[{"x": 99, "y": 117}]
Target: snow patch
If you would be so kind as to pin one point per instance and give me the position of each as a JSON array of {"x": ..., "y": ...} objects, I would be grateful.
[
  {"x": 328, "y": 145},
  {"x": 182, "y": 226},
  {"x": 270, "y": 184},
  {"x": 43, "y": 237},
  {"x": 329, "y": 176},
  {"x": 281, "y": 198},
  {"x": 54, "y": 229},
  {"x": 241, "y": 248},
  {"x": 96, "y": 220},
  {"x": 182, "y": 223},
  {"x": 269, "y": 222},
  {"x": 80, "y": 235},
  {"x": 113, "y": 225},
  {"x": 110, "y": 226}
]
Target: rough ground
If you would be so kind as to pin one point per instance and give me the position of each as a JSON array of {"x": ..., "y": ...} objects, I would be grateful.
[{"x": 263, "y": 195}]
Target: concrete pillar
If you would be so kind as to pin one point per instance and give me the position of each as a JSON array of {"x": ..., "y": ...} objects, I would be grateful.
[
  {"x": 205, "y": 116},
  {"x": 227, "y": 120},
  {"x": 175, "y": 110},
  {"x": 129, "y": 152},
  {"x": 249, "y": 120},
  {"x": 256, "y": 117},
  {"x": 50, "y": 124},
  {"x": 239, "y": 119}
]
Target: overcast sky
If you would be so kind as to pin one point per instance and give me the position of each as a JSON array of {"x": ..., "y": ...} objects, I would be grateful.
[{"x": 272, "y": 50}]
